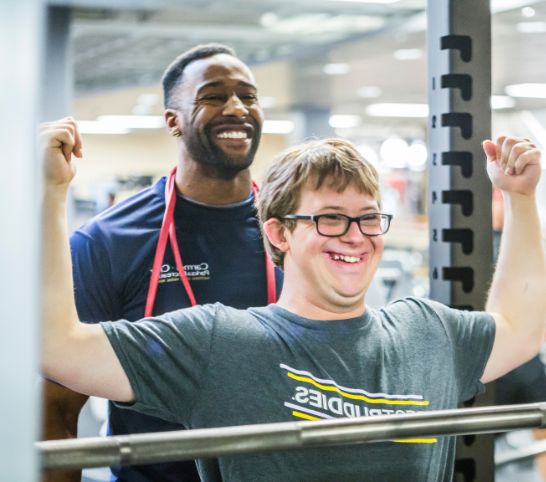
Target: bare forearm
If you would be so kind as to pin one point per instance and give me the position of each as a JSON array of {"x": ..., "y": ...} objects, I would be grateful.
[
  {"x": 58, "y": 308},
  {"x": 518, "y": 291},
  {"x": 74, "y": 354}
]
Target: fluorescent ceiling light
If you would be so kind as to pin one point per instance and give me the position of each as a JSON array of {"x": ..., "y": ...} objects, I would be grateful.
[
  {"x": 324, "y": 24},
  {"x": 133, "y": 121},
  {"x": 397, "y": 110},
  {"x": 277, "y": 127},
  {"x": 368, "y": 1},
  {"x": 344, "y": 121},
  {"x": 531, "y": 27},
  {"x": 535, "y": 91},
  {"x": 369, "y": 91},
  {"x": 336, "y": 69},
  {"x": 528, "y": 12},
  {"x": 408, "y": 54},
  {"x": 502, "y": 102},
  {"x": 96, "y": 127},
  {"x": 505, "y": 5}
]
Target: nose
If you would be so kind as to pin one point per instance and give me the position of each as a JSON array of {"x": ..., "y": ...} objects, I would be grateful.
[
  {"x": 235, "y": 107},
  {"x": 353, "y": 234}
]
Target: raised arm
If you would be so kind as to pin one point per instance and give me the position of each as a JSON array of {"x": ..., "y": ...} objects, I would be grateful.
[
  {"x": 517, "y": 297},
  {"x": 74, "y": 354}
]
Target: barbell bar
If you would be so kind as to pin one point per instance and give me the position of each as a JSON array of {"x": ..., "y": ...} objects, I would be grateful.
[{"x": 217, "y": 442}]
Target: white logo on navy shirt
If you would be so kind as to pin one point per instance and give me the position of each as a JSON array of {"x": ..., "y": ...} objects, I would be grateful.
[{"x": 200, "y": 271}]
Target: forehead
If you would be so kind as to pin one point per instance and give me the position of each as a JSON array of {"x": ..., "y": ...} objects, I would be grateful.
[
  {"x": 217, "y": 70},
  {"x": 349, "y": 199}
]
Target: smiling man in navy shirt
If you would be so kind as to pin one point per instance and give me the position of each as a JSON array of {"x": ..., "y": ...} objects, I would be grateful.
[{"x": 125, "y": 266}]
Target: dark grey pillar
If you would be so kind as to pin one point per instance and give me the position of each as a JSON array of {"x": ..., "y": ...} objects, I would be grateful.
[
  {"x": 21, "y": 28},
  {"x": 58, "y": 67},
  {"x": 459, "y": 59},
  {"x": 316, "y": 121},
  {"x": 58, "y": 72}
]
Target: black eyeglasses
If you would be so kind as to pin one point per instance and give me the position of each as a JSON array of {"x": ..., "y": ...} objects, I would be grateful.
[{"x": 334, "y": 225}]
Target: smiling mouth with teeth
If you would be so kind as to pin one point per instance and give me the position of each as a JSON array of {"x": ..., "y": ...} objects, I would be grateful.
[
  {"x": 232, "y": 135},
  {"x": 346, "y": 259}
]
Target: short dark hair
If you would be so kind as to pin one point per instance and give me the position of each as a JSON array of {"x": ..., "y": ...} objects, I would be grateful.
[{"x": 172, "y": 76}]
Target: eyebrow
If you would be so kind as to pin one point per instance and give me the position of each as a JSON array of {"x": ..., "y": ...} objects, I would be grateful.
[
  {"x": 341, "y": 208},
  {"x": 219, "y": 83}
]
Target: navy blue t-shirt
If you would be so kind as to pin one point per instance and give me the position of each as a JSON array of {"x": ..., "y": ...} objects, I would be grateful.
[{"x": 223, "y": 255}]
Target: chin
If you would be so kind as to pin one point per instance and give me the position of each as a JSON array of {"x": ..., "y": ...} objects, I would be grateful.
[{"x": 349, "y": 299}]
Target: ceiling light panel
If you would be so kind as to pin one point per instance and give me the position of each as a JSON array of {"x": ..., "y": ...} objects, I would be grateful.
[
  {"x": 381, "y": 2},
  {"x": 133, "y": 121},
  {"x": 397, "y": 110},
  {"x": 531, "y": 27},
  {"x": 502, "y": 102},
  {"x": 336, "y": 69},
  {"x": 535, "y": 91},
  {"x": 321, "y": 23},
  {"x": 408, "y": 54},
  {"x": 344, "y": 121}
]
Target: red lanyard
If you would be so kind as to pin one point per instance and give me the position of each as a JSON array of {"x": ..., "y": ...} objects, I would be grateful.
[{"x": 168, "y": 232}]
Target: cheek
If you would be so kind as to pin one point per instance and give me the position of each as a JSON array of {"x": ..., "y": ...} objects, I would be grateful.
[
  {"x": 306, "y": 245},
  {"x": 201, "y": 115},
  {"x": 258, "y": 115},
  {"x": 378, "y": 244}
]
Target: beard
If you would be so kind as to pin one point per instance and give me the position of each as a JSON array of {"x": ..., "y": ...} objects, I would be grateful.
[{"x": 204, "y": 151}]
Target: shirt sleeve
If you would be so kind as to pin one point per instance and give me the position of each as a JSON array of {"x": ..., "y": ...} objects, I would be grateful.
[
  {"x": 94, "y": 290},
  {"x": 471, "y": 335},
  {"x": 165, "y": 359}
]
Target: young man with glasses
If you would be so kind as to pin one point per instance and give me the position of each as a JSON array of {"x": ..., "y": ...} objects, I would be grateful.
[{"x": 320, "y": 352}]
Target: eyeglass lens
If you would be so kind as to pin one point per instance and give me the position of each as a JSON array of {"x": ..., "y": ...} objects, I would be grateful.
[{"x": 337, "y": 224}]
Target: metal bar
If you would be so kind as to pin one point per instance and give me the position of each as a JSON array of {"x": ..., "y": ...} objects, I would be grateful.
[
  {"x": 528, "y": 452},
  {"x": 216, "y": 442}
]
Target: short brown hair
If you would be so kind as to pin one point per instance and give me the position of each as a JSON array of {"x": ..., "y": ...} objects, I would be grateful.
[{"x": 335, "y": 161}]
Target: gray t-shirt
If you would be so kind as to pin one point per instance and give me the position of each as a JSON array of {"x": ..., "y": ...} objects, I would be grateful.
[{"x": 213, "y": 366}]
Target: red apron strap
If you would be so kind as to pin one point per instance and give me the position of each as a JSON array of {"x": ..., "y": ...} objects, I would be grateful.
[
  {"x": 168, "y": 232},
  {"x": 180, "y": 265},
  {"x": 168, "y": 220}
]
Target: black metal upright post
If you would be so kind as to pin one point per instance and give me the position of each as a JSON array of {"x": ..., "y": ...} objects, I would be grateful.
[
  {"x": 459, "y": 90},
  {"x": 58, "y": 69}
]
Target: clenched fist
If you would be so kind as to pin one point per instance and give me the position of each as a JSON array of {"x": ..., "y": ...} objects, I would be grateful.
[
  {"x": 513, "y": 164},
  {"x": 59, "y": 140}
]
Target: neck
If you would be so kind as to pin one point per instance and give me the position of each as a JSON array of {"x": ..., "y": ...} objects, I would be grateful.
[
  {"x": 315, "y": 309},
  {"x": 195, "y": 182}
]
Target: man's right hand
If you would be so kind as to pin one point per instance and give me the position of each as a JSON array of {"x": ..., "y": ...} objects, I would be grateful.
[{"x": 59, "y": 140}]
